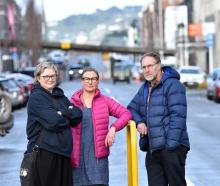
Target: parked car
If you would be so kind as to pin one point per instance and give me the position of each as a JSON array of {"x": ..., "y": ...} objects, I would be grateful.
[
  {"x": 9, "y": 85},
  {"x": 213, "y": 85},
  {"x": 23, "y": 79},
  {"x": 192, "y": 76},
  {"x": 75, "y": 71},
  {"x": 6, "y": 117},
  {"x": 24, "y": 82},
  {"x": 121, "y": 72},
  {"x": 27, "y": 70}
]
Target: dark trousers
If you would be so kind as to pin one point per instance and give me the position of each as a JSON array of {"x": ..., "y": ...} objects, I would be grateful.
[
  {"x": 166, "y": 167},
  {"x": 53, "y": 169}
]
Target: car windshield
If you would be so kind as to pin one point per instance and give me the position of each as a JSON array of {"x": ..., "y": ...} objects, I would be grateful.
[
  {"x": 118, "y": 67},
  {"x": 190, "y": 71},
  {"x": 22, "y": 77},
  {"x": 121, "y": 67},
  {"x": 9, "y": 84},
  {"x": 72, "y": 68},
  {"x": 76, "y": 67}
]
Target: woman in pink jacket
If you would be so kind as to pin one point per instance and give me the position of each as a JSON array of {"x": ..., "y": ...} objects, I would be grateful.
[{"x": 93, "y": 137}]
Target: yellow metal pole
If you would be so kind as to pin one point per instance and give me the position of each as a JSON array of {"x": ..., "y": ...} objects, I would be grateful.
[
  {"x": 129, "y": 155},
  {"x": 132, "y": 154}
]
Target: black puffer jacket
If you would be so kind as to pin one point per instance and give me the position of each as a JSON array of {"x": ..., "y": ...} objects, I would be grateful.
[{"x": 42, "y": 114}]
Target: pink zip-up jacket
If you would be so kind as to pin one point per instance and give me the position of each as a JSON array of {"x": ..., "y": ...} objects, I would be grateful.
[{"x": 102, "y": 108}]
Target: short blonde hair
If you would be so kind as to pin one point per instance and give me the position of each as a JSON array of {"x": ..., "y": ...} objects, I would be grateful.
[{"x": 41, "y": 67}]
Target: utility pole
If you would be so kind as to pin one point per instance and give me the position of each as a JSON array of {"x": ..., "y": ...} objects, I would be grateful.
[{"x": 160, "y": 14}]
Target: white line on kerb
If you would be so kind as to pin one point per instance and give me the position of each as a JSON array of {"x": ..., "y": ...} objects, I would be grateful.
[
  {"x": 189, "y": 183},
  {"x": 114, "y": 98},
  {"x": 107, "y": 90}
]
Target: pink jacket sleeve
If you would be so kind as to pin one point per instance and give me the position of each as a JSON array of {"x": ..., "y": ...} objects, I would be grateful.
[{"x": 120, "y": 112}]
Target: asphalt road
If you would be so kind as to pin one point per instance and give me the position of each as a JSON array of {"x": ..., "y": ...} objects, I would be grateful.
[{"x": 202, "y": 166}]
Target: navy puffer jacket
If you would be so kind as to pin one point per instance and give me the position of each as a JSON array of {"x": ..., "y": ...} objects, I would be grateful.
[{"x": 166, "y": 114}]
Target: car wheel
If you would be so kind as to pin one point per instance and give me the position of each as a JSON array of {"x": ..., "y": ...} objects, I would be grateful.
[
  {"x": 209, "y": 97},
  {"x": 216, "y": 99},
  {"x": 5, "y": 107},
  {"x": 6, "y": 126}
]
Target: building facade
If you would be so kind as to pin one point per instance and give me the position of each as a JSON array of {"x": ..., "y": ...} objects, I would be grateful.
[
  {"x": 164, "y": 24},
  {"x": 10, "y": 20},
  {"x": 208, "y": 11},
  {"x": 10, "y": 29}
]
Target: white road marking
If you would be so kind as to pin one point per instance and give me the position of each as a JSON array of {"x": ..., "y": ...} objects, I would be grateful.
[
  {"x": 189, "y": 183},
  {"x": 208, "y": 115},
  {"x": 107, "y": 90},
  {"x": 114, "y": 98}
]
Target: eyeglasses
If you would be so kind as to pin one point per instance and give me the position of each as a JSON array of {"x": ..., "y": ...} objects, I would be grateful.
[
  {"x": 148, "y": 66},
  {"x": 47, "y": 77},
  {"x": 87, "y": 79}
]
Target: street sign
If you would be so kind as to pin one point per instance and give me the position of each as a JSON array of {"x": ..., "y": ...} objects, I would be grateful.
[
  {"x": 105, "y": 56},
  {"x": 195, "y": 30},
  {"x": 65, "y": 45},
  {"x": 209, "y": 38}
]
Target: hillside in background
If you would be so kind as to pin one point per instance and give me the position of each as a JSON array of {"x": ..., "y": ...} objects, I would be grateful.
[{"x": 94, "y": 27}]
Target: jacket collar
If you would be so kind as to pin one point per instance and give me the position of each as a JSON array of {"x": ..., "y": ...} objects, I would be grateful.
[{"x": 76, "y": 96}]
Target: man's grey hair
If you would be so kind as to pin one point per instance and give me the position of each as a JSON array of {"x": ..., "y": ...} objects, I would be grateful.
[{"x": 153, "y": 54}]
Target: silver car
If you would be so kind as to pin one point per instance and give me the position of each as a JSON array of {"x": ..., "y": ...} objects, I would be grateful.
[
  {"x": 6, "y": 117},
  {"x": 9, "y": 85}
]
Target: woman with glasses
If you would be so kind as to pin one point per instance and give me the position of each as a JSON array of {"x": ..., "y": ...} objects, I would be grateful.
[
  {"x": 93, "y": 136},
  {"x": 50, "y": 118}
]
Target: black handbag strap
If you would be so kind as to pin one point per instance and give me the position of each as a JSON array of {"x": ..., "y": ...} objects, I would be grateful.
[{"x": 39, "y": 139}]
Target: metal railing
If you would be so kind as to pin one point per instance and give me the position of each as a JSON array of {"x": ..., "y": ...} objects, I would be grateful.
[{"x": 132, "y": 154}]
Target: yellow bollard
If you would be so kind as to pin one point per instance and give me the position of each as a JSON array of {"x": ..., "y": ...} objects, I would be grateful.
[{"x": 132, "y": 154}]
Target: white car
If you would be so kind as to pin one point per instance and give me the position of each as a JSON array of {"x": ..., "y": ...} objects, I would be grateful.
[{"x": 191, "y": 76}]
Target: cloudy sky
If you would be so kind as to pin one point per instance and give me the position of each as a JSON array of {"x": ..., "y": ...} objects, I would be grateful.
[{"x": 59, "y": 9}]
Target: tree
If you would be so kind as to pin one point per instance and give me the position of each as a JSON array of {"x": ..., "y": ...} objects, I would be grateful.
[{"x": 33, "y": 31}]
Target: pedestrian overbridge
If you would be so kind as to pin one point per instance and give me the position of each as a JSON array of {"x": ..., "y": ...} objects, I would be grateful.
[{"x": 85, "y": 47}]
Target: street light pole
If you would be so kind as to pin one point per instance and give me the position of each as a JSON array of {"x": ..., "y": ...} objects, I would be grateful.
[
  {"x": 160, "y": 12},
  {"x": 210, "y": 59}
]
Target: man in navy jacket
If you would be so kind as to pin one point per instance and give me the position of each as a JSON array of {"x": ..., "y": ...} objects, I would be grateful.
[{"x": 160, "y": 109}]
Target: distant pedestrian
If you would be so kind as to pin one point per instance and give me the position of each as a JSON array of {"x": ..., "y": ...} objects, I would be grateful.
[
  {"x": 50, "y": 118},
  {"x": 160, "y": 110},
  {"x": 93, "y": 137}
]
